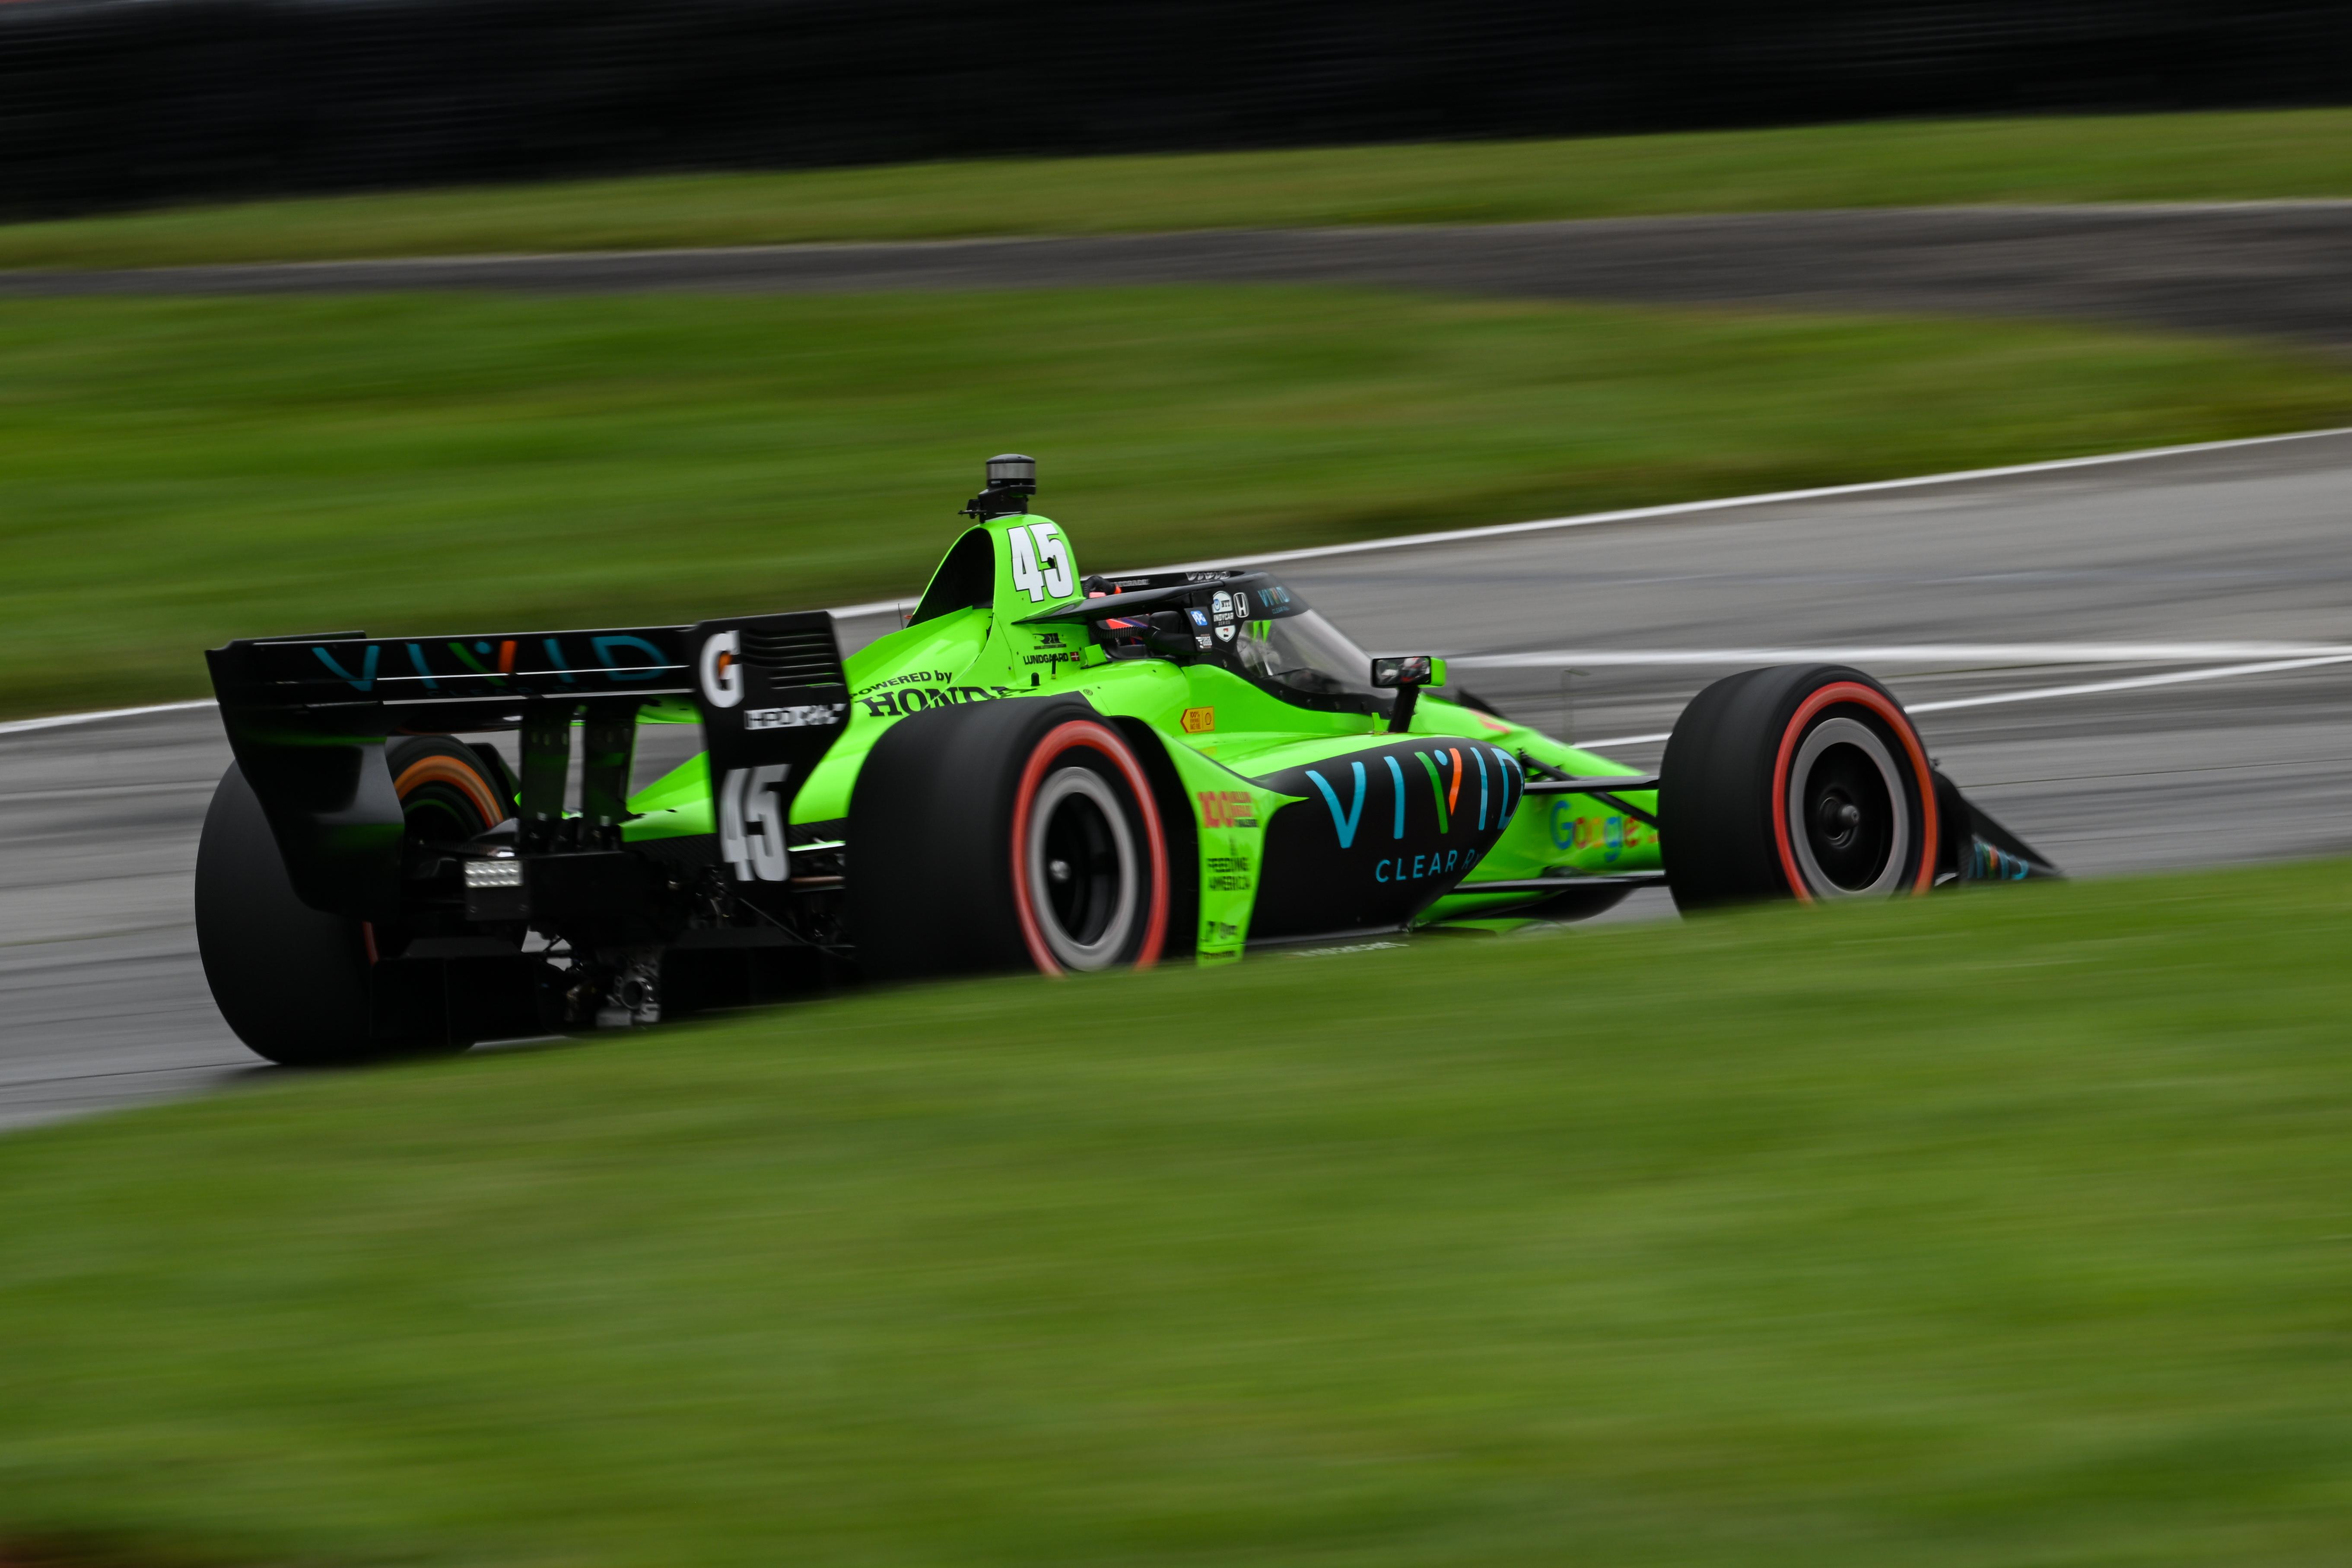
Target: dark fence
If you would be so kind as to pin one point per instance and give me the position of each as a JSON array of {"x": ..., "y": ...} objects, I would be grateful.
[{"x": 116, "y": 102}]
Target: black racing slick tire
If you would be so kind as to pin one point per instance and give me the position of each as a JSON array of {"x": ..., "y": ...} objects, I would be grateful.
[
  {"x": 1804, "y": 781},
  {"x": 1010, "y": 834},
  {"x": 293, "y": 982}
]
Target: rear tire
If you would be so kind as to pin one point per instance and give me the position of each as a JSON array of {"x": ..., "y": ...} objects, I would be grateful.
[
  {"x": 293, "y": 982},
  {"x": 1798, "y": 780},
  {"x": 1016, "y": 834}
]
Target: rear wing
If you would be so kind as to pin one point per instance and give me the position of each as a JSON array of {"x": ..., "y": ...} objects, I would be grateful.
[{"x": 307, "y": 719}]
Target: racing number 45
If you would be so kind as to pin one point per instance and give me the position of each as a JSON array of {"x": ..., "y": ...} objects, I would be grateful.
[
  {"x": 1036, "y": 543},
  {"x": 748, "y": 798}
]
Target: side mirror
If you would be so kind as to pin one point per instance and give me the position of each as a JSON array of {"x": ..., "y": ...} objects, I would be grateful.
[
  {"x": 1408, "y": 670},
  {"x": 1406, "y": 674}
]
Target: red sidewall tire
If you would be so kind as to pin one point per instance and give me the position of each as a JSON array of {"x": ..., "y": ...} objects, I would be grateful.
[
  {"x": 1725, "y": 784},
  {"x": 1873, "y": 699},
  {"x": 938, "y": 878},
  {"x": 1088, "y": 735}
]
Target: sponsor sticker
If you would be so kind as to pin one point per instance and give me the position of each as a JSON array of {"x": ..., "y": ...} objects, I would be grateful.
[
  {"x": 1200, "y": 720},
  {"x": 801, "y": 717},
  {"x": 1227, "y": 808},
  {"x": 1200, "y": 617},
  {"x": 1416, "y": 867},
  {"x": 908, "y": 700},
  {"x": 930, "y": 677},
  {"x": 1225, "y": 634}
]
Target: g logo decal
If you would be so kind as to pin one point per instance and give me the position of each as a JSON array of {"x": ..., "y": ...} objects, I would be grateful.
[{"x": 722, "y": 672}]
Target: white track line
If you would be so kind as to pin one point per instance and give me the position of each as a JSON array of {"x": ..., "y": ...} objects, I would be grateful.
[
  {"x": 1914, "y": 653},
  {"x": 2131, "y": 683},
  {"x": 1496, "y": 530},
  {"x": 59, "y": 720},
  {"x": 2043, "y": 693}
]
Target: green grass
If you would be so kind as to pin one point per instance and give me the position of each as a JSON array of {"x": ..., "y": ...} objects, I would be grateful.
[
  {"x": 173, "y": 473},
  {"x": 1998, "y": 1229},
  {"x": 2181, "y": 157}
]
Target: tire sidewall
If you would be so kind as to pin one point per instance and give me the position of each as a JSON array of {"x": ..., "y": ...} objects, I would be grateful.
[
  {"x": 1092, "y": 745},
  {"x": 1724, "y": 835},
  {"x": 1856, "y": 696},
  {"x": 934, "y": 841}
]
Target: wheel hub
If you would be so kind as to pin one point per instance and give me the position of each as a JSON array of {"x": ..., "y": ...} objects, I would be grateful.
[
  {"x": 1085, "y": 881},
  {"x": 1849, "y": 820}
]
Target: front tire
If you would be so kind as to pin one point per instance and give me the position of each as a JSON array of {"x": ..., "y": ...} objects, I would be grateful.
[
  {"x": 1016, "y": 834},
  {"x": 1799, "y": 780}
]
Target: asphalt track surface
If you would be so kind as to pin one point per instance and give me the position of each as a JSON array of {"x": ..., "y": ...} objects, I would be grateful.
[
  {"x": 2274, "y": 269},
  {"x": 1989, "y": 587}
]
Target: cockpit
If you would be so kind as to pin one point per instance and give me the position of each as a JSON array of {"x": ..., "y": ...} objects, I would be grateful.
[
  {"x": 1248, "y": 622},
  {"x": 1305, "y": 653}
]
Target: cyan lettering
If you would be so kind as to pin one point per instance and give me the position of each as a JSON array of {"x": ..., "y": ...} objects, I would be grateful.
[
  {"x": 1344, "y": 826},
  {"x": 364, "y": 678},
  {"x": 604, "y": 646}
]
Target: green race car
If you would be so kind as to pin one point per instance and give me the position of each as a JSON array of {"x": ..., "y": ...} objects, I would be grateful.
[{"x": 1040, "y": 770}]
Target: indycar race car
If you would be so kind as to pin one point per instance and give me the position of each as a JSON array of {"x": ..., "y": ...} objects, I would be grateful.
[{"x": 1039, "y": 770}]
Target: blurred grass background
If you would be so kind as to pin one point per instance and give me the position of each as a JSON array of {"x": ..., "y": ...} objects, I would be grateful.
[
  {"x": 2281, "y": 154},
  {"x": 1988, "y": 1229},
  {"x": 178, "y": 473}
]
